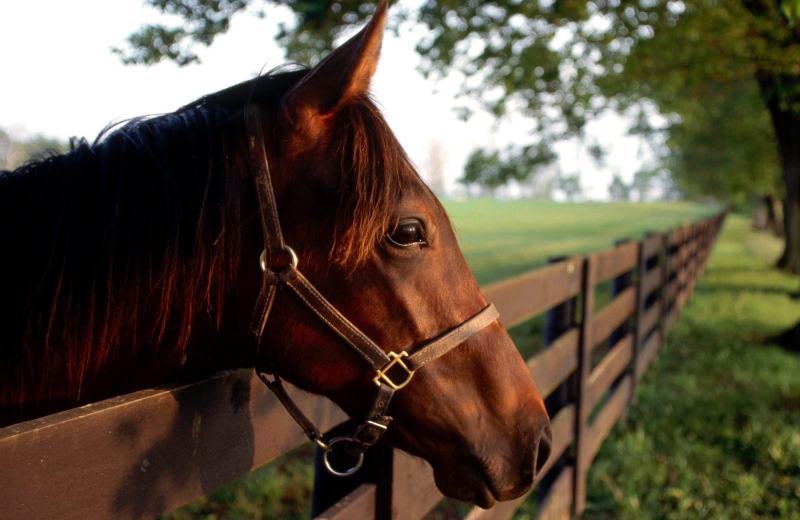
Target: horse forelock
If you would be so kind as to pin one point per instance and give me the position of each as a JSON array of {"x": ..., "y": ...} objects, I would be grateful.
[{"x": 375, "y": 172}]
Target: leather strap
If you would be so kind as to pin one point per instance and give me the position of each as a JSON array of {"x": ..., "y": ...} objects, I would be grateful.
[
  {"x": 268, "y": 211},
  {"x": 277, "y": 388},
  {"x": 444, "y": 344}
]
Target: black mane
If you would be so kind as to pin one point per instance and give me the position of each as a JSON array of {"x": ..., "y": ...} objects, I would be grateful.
[{"x": 144, "y": 222}]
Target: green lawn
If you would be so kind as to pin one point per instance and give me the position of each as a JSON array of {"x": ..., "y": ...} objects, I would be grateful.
[
  {"x": 504, "y": 238},
  {"x": 715, "y": 432}
]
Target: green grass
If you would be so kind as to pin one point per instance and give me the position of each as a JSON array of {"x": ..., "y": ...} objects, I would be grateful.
[
  {"x": 505, "y": 238},
  {"x": 715, "y": 430},
  {"x": 501, "y": 239}
]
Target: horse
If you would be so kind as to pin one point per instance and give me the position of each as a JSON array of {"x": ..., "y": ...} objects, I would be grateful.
[{"x": 139, "y": 259}]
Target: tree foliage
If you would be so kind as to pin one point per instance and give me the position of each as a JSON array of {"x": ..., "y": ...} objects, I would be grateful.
[
  {"x": 492, "y": 169},
  {"x": 570, "y": 186},
  {"x": 15, "y": 152},
  {"x": 706, "y": 64},
  {"x": 619, "y": 190}
]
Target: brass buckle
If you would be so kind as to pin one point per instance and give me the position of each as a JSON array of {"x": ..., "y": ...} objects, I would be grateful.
[{"x": 395, "y": 360}]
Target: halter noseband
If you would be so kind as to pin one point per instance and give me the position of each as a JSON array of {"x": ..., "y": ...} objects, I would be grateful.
[{"x": 393, "y": 371}]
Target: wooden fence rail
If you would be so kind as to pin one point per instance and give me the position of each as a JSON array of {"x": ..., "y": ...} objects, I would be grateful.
[{"x": 145, "y": 453}]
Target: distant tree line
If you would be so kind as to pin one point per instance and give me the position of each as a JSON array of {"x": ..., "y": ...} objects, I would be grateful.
[{"x": 15, "y": 152}]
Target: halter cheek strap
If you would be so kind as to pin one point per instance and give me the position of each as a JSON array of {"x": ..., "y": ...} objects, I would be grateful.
[{"x": 393, "y": 370}]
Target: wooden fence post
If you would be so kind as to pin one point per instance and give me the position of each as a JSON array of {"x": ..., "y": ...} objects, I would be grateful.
[
  {"x": 329, "y": 489},
  {"x": 641, "y": 300},
  {"x": 666, "y": 282},
  {"x": 584, "y": 367},
  {"x": 557, "y": 321},
  {"x": 693, "y": 262},
  {"x": 377, "y": 470},
  {"x": 618, "y": 285}
]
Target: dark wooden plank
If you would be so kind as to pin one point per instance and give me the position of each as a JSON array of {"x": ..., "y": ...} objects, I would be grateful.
[
  {"x": 675, "y": 263},
  {"x": 649, "y": 320},
  {"x": 557, "y": 505},
  {"x": 414, "y": 492},
  {"x": 358, "y": 505},
  {"x": 672, "y": 290},
  {"x": 671, "y": 317},
  {"x": 608, "y": 416},
  {"x": 651, "y": 281},
  {"x": 613, "y": 315},
  {"x": 562, "y": 426},
  {"x": 652, "y": 245},
  {"x": 677, "y": 236},
  {"x": 582, "y": 375},
  {"x": 523, "y": 297},
  {"x": 612, "y": 365},
  {"x": 148, "y": 452},
  {"x": 614, "y": 262},
  {"x": 682, "y": 298},
  {"x": 551, "y": 366},
  {"x": 647, "y": 355}
]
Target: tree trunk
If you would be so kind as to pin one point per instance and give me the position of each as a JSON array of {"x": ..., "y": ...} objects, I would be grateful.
[
  {"x": 786, "y": 123},
  {"x": 774, "y": 215},
  {"x": 768, "y": 216}
]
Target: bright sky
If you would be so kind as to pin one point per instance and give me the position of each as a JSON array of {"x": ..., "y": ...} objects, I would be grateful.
[{"x": 60, "y": 79}]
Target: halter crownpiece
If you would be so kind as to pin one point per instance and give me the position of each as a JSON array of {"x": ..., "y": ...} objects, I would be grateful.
[{"x": 393, "y": 370}]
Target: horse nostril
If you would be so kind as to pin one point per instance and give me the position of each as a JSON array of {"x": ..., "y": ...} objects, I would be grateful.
[{"x": 543, "y": 447}]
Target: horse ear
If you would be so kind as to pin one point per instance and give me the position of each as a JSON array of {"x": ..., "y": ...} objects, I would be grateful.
[{"x": 343, "y": 75}]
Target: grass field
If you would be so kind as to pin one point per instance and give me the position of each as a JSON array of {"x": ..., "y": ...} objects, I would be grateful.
[
  {"x": 504, "y": 238},
  {"x": 715, "y": 432},
  {"x": 715, "y": 428}
]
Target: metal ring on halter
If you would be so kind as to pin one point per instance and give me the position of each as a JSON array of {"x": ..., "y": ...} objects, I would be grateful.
[
  {"x": 346, "y": 473},
  {"x": 286, "y": 249}
]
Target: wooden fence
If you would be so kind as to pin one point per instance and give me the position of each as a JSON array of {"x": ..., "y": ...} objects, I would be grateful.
[{"x": 139, "y": 455}]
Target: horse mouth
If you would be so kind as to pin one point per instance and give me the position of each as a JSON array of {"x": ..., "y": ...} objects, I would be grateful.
[
  {"x": 473, "y": 482},
  {"x": 490, "y": 484}
]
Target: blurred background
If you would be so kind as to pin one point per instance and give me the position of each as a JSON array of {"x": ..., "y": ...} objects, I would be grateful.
[{"x": 548, "y": 127}]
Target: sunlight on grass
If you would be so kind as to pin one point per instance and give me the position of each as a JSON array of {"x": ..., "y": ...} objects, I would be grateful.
[
  {"x": 505, "y": 238},
  {"x": 715, "y": 432}
]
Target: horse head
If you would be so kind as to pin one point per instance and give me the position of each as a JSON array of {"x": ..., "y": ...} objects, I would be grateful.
[{"x": 374, "y": 240}]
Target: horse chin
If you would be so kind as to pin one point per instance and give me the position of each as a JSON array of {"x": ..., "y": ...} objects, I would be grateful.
[
  {"x": 466, "y": 486},
  {"x": 472, "y": 482}
]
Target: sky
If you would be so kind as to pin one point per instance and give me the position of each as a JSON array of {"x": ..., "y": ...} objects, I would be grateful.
[{"x": 60, "y": 79}]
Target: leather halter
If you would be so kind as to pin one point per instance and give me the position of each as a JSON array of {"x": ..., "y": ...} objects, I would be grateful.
[{"x": 393, "y": 371}]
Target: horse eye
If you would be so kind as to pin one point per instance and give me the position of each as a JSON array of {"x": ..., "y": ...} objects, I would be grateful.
[{"x": 407, "y": 233}]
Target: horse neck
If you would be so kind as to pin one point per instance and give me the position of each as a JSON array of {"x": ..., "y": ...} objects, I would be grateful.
[{"x": 114, "y": 280}]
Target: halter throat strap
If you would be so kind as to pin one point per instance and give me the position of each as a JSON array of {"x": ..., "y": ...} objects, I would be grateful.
[{"x": 279, "y": 266}]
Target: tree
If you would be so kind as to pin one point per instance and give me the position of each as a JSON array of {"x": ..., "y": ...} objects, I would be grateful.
[
  {"x": 15, "y": 152},
  {"x": 434, "y": 167},
  {"x": 643, "y": 181},
  {"x": 494, "y": 169},
  {"x": 570, "y": 185},
  {"x": 5, "y": 147},
  {"x": 618, "y": 190},
  {"x": 566, "y": 62}
]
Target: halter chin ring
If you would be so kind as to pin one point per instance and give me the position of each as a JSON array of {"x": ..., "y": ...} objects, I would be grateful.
[
  {"x": 329, "y": 466},
  {"x": 291, "y": 263},
  {"x": 396, "y": 361}
]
